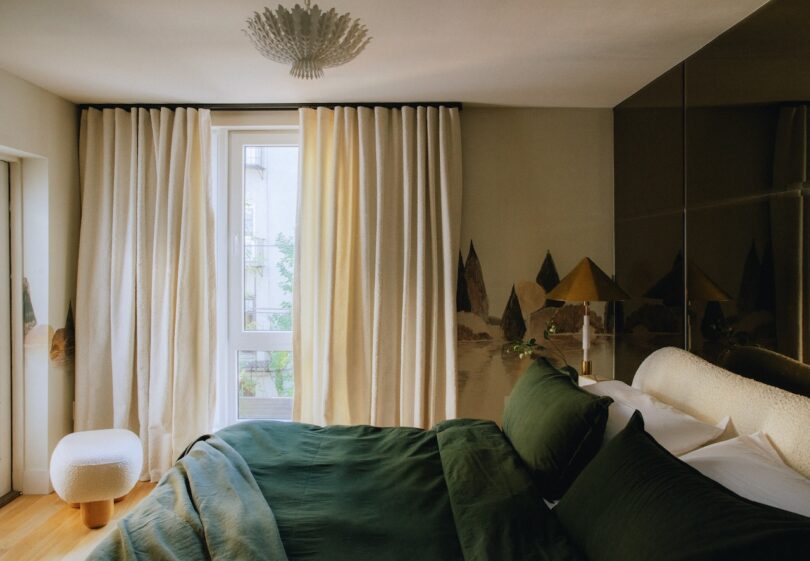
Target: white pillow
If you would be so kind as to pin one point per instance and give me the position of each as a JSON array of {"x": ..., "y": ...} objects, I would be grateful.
[
  {"x": 673, "y": 429},
  {"x": 750, "y": 466}
]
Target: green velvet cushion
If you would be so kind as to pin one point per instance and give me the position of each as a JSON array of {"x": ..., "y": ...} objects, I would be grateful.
[
  {"x": 555, "y": 427},
  {"x": 636, "y": 501}
]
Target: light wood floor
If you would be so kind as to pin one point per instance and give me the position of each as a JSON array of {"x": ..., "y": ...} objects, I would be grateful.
[{"x": 42, "y": 527}]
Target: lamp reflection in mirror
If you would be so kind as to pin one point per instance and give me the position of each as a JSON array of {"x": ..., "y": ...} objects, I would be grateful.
[
  {"x": 587, "y": 283},
  {"x": 699, "y": 288}
]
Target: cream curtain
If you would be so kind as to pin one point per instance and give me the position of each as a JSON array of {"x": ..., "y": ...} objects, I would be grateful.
[
  {"x": 145, "y": 350},
  {"x": 374, "y": 336}
]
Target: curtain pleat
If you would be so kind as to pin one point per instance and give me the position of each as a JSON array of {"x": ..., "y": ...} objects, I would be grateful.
[
  {"x": 378, "y": 232},
  {"x": 145, "y": 317}
]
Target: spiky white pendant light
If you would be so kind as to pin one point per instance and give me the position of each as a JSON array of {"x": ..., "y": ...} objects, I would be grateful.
[{"x": 308, "y": 38}]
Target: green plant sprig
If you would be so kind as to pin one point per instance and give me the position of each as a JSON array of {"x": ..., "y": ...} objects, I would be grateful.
[{"x": 527, "y": 348}]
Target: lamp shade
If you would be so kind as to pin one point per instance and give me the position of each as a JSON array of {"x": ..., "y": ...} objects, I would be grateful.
[
  {"x": 699, "y": 286},
  {"x": 587, "y": 283}
]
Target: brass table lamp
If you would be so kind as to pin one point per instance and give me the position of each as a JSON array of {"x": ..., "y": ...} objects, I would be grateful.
[{"x": 587, "y": 283}]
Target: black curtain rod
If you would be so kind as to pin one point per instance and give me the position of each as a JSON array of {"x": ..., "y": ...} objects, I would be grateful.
[{"x": 270, "y": 106}]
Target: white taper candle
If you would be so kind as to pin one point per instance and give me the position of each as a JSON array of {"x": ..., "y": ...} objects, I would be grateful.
[{"x": 586, "y": 337}]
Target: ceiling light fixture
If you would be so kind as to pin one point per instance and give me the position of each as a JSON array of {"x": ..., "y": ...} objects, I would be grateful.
[{"x": 308, "y": 38}]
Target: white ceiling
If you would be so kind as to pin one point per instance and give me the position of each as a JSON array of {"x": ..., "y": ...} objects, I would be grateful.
[{"x": 563, "y": 53}]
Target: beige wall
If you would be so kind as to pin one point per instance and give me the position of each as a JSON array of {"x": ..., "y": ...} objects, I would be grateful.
[
  {"x": 534, "y": 180},
  {"x": 41, "y": 128}
]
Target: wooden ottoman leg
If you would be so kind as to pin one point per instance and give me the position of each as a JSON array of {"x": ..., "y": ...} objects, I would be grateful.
[
  {"x": 97, "y": 513},
  {"x": 74, "y": 505}
]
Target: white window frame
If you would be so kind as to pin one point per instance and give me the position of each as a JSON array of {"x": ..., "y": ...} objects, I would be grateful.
[{"x": 229, "y": 143}]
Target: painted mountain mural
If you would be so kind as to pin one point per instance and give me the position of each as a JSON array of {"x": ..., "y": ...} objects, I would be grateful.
[
  {"x": 527, "y": 313},
  {"x": 487, "y": 365},
  {"x": 548, "y": 278},
  {"x": 476, "y": 290},
  {"x": 462, "y": 293},
  {"x": 512, "y": 322}
]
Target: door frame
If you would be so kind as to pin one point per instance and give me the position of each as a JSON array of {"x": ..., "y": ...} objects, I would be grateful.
[
  {"x": 16, "y": 328},
  {"x": 6, "y": 487},
  {"x": 17, "y": 336}
]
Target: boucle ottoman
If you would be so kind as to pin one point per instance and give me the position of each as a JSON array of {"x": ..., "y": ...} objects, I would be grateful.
[{"x": 92, "y": 468}]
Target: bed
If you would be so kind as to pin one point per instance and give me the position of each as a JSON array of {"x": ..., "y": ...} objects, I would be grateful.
[{"x": 463, "y": 490}]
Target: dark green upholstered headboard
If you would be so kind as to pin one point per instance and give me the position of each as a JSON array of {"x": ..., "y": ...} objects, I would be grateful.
[{"x": 767, "y": 367}]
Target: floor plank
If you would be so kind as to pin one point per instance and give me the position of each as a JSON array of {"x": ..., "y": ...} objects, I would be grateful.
[{"x": 42, "y": 527}]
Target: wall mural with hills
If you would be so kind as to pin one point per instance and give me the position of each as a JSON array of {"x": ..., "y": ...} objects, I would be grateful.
[{"x": 485, "y": 337}]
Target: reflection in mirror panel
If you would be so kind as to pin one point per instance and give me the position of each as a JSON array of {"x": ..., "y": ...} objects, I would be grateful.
[
  {"x": 647, "y": 253},
  {"x": 739, "y": 178},
  {"x": 752, "y": 259},
  {"x": 729, "y": 152}
]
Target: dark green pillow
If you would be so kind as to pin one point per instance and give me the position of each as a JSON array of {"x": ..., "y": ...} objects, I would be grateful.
[
  {"x": 555, "y": 427},
  {"x": 636, "y": 501}
]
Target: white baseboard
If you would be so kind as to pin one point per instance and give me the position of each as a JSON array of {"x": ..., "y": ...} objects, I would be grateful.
[{"x": 36, "y": 482}]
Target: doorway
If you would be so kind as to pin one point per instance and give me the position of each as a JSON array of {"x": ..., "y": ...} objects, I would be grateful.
[{"x": 5, "y": 338}]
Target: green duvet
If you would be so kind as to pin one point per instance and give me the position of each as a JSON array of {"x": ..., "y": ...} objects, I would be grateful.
[{"x": 454, "y": 492}]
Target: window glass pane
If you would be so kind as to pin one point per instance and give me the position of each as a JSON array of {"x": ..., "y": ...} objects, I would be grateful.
[
  {"x": 265, "y": 384},
  {"x": 270, "y": 198}
]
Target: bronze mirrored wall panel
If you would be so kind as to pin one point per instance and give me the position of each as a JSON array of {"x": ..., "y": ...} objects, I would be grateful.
[
  {"x": 649, "y": 175},
  {"x": 729, "y": 152},
  {"x": 745, "y": 182},
  {"x": 743, "y": 278},
  {"x": 649, "y": 256},
  {"x": 648, "y": 148},
  {"x": 741, "y": 94},
  {"x": 747, "y": 101},
  {"x": 762, "y": 59}
]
